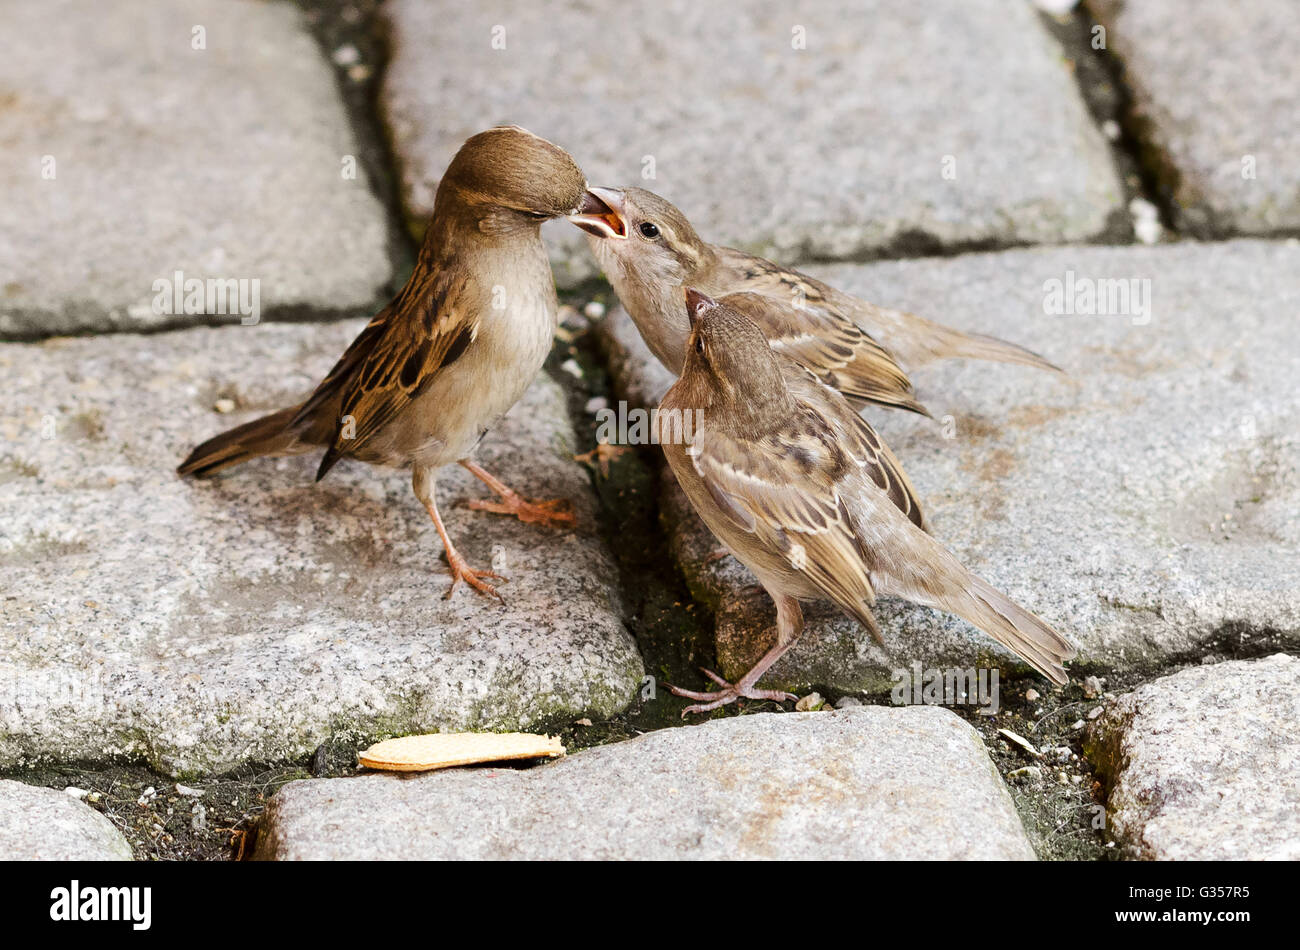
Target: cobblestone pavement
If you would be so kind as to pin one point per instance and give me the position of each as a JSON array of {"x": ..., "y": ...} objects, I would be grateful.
[{"x": 205, "y": 201}]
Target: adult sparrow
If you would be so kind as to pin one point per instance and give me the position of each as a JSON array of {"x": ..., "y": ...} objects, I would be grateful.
[
  {"x": 650, "y": 252},
  {"x": 454, "y": 350},
  {"x": 796, "y": 484}
]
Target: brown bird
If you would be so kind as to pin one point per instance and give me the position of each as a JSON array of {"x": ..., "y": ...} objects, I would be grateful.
[
  {"x": 801, "y": 489},
  {"x": 650, "y": 252},
  {"x": 454, "y": 350}
]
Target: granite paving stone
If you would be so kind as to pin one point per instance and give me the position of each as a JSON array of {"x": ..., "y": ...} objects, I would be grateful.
[{"x": 199, "y": 625}]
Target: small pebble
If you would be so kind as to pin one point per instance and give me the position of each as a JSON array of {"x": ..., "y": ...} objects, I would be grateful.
[
  {"x": 1028, "y": 772},
  {"x": 595, "y": 404},
  {"x": 224, "y": 405},
  {"x": 848, "y": 702},
  {"x": 1078, "y": 724},
  {"x": 1091, "y": 687},
  {"x": 594, "y": 309},
  {"x": 1146, "y": 220},
  {"x": 1141, "y": 208},
  {"x": 808, "y": 703},
  {"x": 77, "y": 793},
  {"x": 186, "y": 790},
  {"x": 1094, "y": 712},
  {"x": 347, "y": 55},
  {"x": 1056, "y": 7},
  {"x": 1032, "y": 695},
  {"x": 1110, "y": 128},
  {"x": 359, "y": 73},
  {"x": 571, "y": 367},
  {"x": 583, "y": 722}
]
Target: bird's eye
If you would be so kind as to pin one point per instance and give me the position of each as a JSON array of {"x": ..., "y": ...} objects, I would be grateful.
[
  {"x": 649, "y": 229},
  {"x": 699, "y": 345}
]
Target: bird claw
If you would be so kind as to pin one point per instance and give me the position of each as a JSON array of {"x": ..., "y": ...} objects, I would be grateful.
[
  {"x": 460, "y": 571},
  {"x": 555, "y": 513},
  {"x": 727, "y": 693}
]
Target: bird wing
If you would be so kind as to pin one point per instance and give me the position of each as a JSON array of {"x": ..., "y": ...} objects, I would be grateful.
[
  {"x": 859, "y": 441},
  {"x": 785, "y": 490},
  {"x": 908, "y": 337},
  {"x": 392, "y": 361},
  {"x": 797, "y": 316}
]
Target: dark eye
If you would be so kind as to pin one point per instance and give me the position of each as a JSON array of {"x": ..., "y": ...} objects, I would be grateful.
[
  {"x": 699, "y": 345},
  {"x": 649, "y": 229}
]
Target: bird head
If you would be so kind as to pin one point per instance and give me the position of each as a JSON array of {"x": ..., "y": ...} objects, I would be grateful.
[
  {"x": 730, "y": 364},
  {"x": 513, "y": 170},
  {"x": 641, "y": 234}
]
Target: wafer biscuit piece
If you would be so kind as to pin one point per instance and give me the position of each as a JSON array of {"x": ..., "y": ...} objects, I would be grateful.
[{"x": 445, "y": 750}]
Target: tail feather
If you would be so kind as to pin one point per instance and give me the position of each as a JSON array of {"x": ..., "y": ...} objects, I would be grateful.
[
  {"x": 917, "y": 340},
  {"x": 980, "y": 346},
  {"x": 268, "y": 435},
  {"x": 1017, "y": 629}
]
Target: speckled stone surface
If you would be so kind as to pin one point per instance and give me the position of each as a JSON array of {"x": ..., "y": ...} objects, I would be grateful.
[
  {"x": 951, "y": 122},
  {"x": 200, "y": 625},
  {"x": 1204, "y": 765},
  {"x": 44, "y": 824},
  {"x": 864, "y": 783},
  {"x": 131, "y": 155},
  {"x": 1215, "y": 87},
  {"x": 1141, "y": 506}
]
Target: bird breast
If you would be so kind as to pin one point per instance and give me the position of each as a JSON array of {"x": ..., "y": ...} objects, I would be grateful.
[{"x": 469, "y": 397}]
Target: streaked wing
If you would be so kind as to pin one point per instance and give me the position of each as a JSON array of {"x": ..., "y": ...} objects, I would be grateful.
[
  {"x": 839, "y": 352},
  {"x": 860, "y": 443},
  {"x": 784, "y": 489},
  {"x": 795, "y": 313},
  {"x": 393, "y": 360}
]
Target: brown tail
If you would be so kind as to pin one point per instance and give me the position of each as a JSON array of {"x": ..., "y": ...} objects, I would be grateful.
[
  {"x": 1015, "y": 628},
  {"x": 917, "y": 340},
  {"x": 265, "y": 436},
  {"x": 978, "y": 346}
]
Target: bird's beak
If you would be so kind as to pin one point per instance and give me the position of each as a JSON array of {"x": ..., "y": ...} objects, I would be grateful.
[
  {"x": 696, "y": 304},
  {"x": 601, "y": 213}
]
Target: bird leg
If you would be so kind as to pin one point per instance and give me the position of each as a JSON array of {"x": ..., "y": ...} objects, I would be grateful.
[
  {"x": 422, "y": 483},
  {"x": 557, "y": 513},
  {"x": 789, "y": 624}
]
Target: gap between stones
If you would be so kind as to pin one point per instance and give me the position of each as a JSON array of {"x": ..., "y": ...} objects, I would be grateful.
[
  {"x": 1145, "y": 169},
  {"x": 1099, "y": 74}
]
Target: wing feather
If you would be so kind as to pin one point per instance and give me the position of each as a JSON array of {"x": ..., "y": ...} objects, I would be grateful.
[
  {"x": 797, "y": 315},
  {"x": 784, "y": 490},
  {"x": 392, "y": 361}
]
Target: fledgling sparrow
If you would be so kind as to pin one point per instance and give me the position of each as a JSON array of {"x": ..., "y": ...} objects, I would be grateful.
[
  {"x": 454, "y": 350},
  {"x": 793, "y": 481},
  {"x": 650, "y": 252}
]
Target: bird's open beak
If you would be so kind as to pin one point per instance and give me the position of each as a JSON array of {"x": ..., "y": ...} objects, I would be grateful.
[
  {"x": 601, "y": 213},
  {"x": 696, "y": 304}
]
